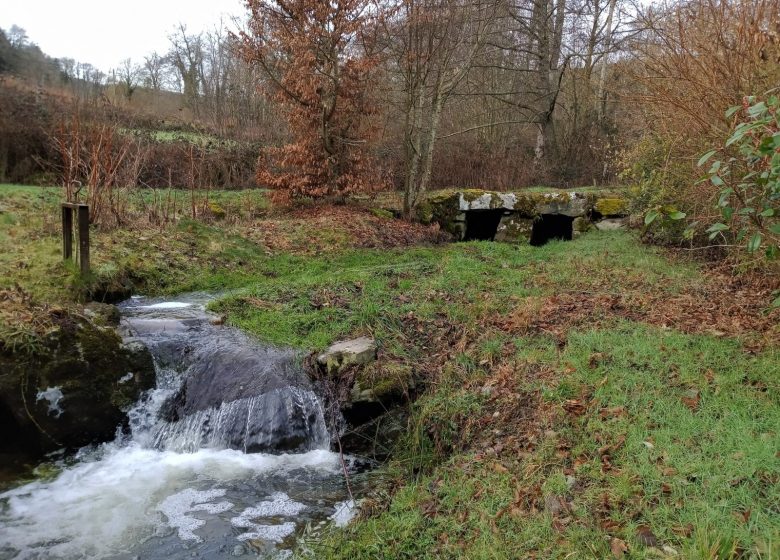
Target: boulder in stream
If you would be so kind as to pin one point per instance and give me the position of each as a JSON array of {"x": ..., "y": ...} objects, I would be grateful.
[{"x": 70, "y": 389}]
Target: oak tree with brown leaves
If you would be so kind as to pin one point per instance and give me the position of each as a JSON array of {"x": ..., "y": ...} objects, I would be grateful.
[{"x": 313, "y": 55}]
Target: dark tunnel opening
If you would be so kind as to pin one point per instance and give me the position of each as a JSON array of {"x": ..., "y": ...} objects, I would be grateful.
[
  {"x": 482, "y": 225},
  {"x": 551, "y": 226}
]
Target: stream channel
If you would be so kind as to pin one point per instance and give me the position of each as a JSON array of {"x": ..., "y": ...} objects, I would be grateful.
[{"x": 228, "y": 456}]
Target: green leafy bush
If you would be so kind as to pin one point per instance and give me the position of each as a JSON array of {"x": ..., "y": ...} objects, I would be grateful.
[{"x": 747, "y": 172}]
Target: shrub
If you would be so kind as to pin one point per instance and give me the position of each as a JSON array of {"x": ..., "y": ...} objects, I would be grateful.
[{"x": 748, "y": 176}]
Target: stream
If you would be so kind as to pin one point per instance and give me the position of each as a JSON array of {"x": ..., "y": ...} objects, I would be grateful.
[{"x": 227, "y": 457}]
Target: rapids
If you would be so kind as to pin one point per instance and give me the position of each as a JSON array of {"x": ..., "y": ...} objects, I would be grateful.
[{"x": 228, "y": 456}]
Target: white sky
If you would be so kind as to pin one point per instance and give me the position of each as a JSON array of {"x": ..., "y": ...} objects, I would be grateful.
[{"x": 104, "y": 32}]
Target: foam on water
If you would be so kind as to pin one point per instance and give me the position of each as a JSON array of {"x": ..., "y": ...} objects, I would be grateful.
[
  {"x": 100, "y": 508},
  {"x": 169, "y": 305},
  {"x": 178, "y": 507},
  {"x": 279, "y": 505},
  {"x": 165, "y": 487}
]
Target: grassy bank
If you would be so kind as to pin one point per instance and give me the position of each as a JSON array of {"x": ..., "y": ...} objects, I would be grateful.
[{"x": 591, "y": 399}]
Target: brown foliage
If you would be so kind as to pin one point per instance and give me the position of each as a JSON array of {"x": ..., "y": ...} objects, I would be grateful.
[
  {"x": 703, "y": 56},
  {"x": 319, "y": 76}
]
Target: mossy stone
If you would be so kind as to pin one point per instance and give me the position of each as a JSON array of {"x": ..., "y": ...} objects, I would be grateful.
[{"x": 611, "y": 206}]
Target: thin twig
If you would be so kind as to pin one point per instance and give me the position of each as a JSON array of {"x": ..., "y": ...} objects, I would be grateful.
[{"x": 344, "y": 467}]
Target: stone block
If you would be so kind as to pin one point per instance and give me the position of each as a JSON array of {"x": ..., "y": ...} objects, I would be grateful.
[{"x": 514, "y": 229}]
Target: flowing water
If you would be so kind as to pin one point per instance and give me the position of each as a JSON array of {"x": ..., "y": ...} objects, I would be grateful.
[{"x": 228, "y": 456}]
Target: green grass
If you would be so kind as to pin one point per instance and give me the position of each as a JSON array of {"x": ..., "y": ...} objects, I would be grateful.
[
  {"x": 196, "y": 138},
  {"x": 690, "y": 476},
  {"x": 309, "y": 302},
  {"x": 153, "y": 260},
  {"x": 472, "y": 473}
]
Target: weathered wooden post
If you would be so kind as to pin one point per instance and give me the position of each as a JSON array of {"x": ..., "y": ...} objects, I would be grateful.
[
  {"x": 82, "y": 217},
  {"x": 67, "y": 232}
]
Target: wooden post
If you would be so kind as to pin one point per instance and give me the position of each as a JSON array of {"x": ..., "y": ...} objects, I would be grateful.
[
  {"x": 67, "y": 233},
  {"x": 83, "y": 217}
]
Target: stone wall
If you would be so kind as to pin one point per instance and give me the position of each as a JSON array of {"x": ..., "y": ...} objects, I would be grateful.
[{"x": 458, "y": 212}]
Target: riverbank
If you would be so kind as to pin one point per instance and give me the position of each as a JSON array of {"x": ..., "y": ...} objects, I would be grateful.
[{"x": 597, "y": 397}]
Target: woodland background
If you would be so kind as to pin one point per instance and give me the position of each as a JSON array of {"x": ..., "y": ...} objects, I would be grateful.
[{"x": 413, "y": 95}]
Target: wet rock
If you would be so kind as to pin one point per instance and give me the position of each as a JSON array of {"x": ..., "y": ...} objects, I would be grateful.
[
  {"x": 74, "y": 390},
  {"x": 359, "y": 352},
  {"x": 235, "y": 392}
]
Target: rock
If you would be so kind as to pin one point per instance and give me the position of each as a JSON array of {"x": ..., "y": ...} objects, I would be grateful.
[
  {"x": 610, "y": 224},
  {"x": 514, "y": 229},
  {"x": 572, "y": 205},
  {"x": 75, "y": 390},
  {"x": 581, "y": 225},
  {"x": 451, "y": 209},
  {"x": 610, "y": 207},
  {"x": 359, "y": 351},
  {"x": 102, "y": 314}
]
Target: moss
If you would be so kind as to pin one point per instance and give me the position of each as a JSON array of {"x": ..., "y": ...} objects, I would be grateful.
[
  {"x": 442, "y": 208},
  {"x": 582, "y": 225},
  {"x": 386, "y": 381},
  {"x": 425, "y": 212},
  {"x": 382, "y": 213},
  {"x": 514, "y": 229},
  {"x": 525, "y": 204},
  {"x": 216, "y": 210},
  {"x": 470, "y": 195},
  {"x": 611, "y": 206}
]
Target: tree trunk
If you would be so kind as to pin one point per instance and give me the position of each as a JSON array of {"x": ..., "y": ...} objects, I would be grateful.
[{"x": 601, "y": 97}]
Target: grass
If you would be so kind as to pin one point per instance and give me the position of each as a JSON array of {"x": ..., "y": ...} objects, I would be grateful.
[
  {"x": 153, "y": 260},
  {"x": 703, "y": 481},
  {"x": 544, "y": 428},
  {"x": 196, "y": 138}
]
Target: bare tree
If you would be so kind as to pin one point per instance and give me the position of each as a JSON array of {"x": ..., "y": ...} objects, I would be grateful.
[
  {"x": 127, "y": 76},
  {"x": 433, "y": 44},
  {"x": 17, "y": 36},
  {"x": 186, "y": 55},
  {"x": 154, "y": 70}
]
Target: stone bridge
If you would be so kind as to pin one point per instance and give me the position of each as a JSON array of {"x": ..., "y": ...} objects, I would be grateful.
[{"x": 523, "y": 217}]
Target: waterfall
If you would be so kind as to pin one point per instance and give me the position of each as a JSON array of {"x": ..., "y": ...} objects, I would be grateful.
[
  {"x": 227, "y": 455},
  {"x": 218, "y": 388}
]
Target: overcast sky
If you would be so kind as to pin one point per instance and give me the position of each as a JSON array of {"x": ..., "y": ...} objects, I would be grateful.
[{"x": 104, "y": 32}]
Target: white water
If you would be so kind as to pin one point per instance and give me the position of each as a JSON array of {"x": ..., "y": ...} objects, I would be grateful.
[
  {"x": 104, "y": 507},
  {"x": 133, "y": 498}
]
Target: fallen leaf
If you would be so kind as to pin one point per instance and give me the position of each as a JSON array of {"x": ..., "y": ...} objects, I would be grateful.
[
  {"x": 691, "y": 399},
  {"x": 645, "y": 536},
  {"x": 555, "y": 504},
  {"x": 595, "y": 360},
  {"x": 743, "y": 516},
  {"x": 613, "y": 412},
  {"x": 574, "y": 407},
  {"x": 619, "y": 547}
]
